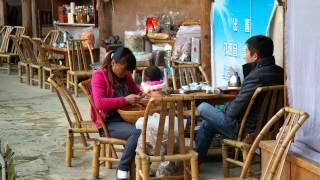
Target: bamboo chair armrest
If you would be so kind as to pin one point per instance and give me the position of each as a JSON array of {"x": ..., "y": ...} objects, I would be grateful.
[
  {"x": 108, "y": 140},
  {"x": 234, "y": 178},
  {"x": 234, "y": 143}
]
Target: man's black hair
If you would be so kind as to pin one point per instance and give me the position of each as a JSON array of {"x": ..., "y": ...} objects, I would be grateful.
[{"x": 261, "y": 45}]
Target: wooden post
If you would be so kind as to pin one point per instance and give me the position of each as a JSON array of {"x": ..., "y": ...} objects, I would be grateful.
[
  {"x": 27, "y": 16},
  {"x": 35, "y": 23},
  {"x": 105, "y": 20},
  {"x": 3, "y": 12},
  {"x": 206, "y": 36}
]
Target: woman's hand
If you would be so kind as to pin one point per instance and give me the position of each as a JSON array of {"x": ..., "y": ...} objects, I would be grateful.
[
  {"x": 132, "y": 99},
  {"x": 144, "y": 101}
]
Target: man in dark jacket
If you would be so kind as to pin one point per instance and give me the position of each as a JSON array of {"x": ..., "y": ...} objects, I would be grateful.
[{"x": 259, "y": 70}]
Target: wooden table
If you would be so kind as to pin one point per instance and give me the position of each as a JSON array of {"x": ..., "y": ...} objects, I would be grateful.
[
  {"x": 64, "y": 52},
  {"x": 296, "y": 167},
  {"x": 215, "y": 99}
]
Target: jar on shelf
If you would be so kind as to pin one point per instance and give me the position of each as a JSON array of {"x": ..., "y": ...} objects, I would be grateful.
[{"x": 134, "y": 40}]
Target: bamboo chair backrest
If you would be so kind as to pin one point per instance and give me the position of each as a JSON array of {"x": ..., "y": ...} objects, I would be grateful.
[
  {"x": 41, "y": 52},
  {"x": 17, "y": 43},
  {"x": 86, "y": 88},
  {"x": 171, "y": 106},
  {"x": 18, "y": 31},
  {"x": 188, "y": 73},
  {"x": 54, "y": 36},
  {"x": 66, "y": 98},
  {"x": 78, "y": 55},
  {"x": 293, "y": 121},
  {"x": 264, "y": 103},
  {"x": 5, "y": 33},
  {"x": 28, "y": 49}
]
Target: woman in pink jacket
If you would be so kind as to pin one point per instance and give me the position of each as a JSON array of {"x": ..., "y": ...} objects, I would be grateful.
[{"x": 113, "y": 88}]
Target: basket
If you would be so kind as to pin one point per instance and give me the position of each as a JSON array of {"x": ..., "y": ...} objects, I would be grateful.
[{"x": 131, "y": 113}]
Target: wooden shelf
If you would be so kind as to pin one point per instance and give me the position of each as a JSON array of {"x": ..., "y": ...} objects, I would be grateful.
[
  {"x": 75, "y": 24},
  {"x": 161, "y": 41}
]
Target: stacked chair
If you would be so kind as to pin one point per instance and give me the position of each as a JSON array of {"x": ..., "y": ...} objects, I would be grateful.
[
  {"x": 80, "y": 57},
  {"x": 8, "y": 54}
]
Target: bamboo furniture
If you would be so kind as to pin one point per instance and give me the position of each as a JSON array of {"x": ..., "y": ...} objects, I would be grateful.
[
  {"x": 49, "y": 67},
  {"x": 182, "y": 152},
  {"x": 264, "y": 103},
  {"x": 23, "y": 64},
  {"x": 8, "y": 55},
  {"x": 188, "y": 73},
  {"x": 79, "y": 63},
  {"x": 293, "y": 121},
  {"x": 102, "y": 143},
  {"x": 296, "y": 166},
  {"x": 75, "y": 121},
  {"x": 35, "y": 63}
]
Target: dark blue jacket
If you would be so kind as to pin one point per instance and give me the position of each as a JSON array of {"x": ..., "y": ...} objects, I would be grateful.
[{"x": 263, "y": 72}]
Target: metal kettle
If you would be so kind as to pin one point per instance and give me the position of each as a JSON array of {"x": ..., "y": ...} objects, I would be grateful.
[{"x": 234, "y": 80}]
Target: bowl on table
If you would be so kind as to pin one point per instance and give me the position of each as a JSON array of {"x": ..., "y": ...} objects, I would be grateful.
[{"x": 131, "y": 113}]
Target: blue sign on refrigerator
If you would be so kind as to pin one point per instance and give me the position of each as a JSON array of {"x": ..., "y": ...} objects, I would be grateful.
[{"x": 234, "y": 21}]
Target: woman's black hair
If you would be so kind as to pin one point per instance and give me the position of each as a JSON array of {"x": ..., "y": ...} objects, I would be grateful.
[
  {"x": 123, "y": 56},
  {"x": 152, "y": 73}
]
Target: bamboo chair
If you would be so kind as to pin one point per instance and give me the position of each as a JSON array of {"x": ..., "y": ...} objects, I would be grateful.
[
  {"x": 35, "y": 64},
  {"x": 76, "y": 125},
  {"x": 8, "y": 56},
  {"x": 188, "y": 73},
  {"x": 183, "y": 152},
  {"x": 23, "y": 65},
  {"x": 53, "y": 37},
  {"x": 79, "y": 63},
  {"x": 48, "y": 67},
  {"x": 294, "y": 119},
  {"x": 103, "y": 143},
  {"x": 269, "y": 99}
]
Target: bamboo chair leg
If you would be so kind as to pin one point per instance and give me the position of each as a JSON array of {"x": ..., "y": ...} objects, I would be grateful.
[
  {"x": 95, "y": 161},
  {"x": 185, "y": 171},
  {"x": 43, "y": 79},
  {"x": 27, "y": 74},
  {"x": 51, "y": 87},
  {"x": 145, "y": 168},
  {"x": 133, "y": 171},
  {"x": 224, "y": 162},
  {"x": 19, "y": 73},
  {"x": 75, "y": 85},
  {"x": 194, "y": 167},
  {"x": 68, "y": 81},
  {"x": 9, "y": 65},
  {"x": 39, "y": 78},
  {"x": 138, "y": 167},
  {"x": 244, "y": 156},
  {"x": 108, "y": 164},
  {"x": 69, "y": 150},
  {"x": 30, "y": 75},
  {"x": 103, "y": 151}
]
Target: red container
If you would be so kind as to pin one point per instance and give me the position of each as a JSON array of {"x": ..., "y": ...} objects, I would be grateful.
[{"x": 62, "y": 19}]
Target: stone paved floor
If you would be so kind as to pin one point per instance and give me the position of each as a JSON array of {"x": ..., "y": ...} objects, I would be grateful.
[{"x": 32, "y": 122}]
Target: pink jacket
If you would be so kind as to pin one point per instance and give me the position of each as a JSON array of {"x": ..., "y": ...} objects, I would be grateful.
[{"x": 103, "y": 96}]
